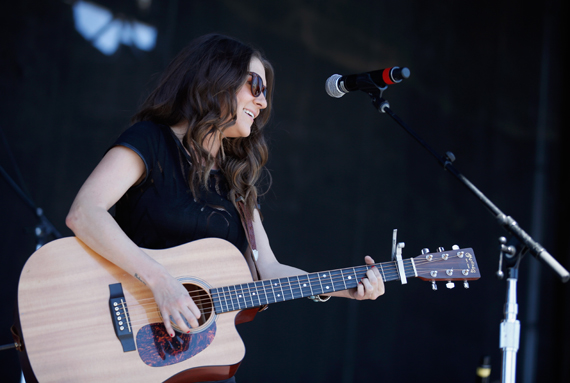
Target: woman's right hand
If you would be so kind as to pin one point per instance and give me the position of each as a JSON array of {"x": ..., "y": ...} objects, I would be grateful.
[{"x": 174, "y": 303}]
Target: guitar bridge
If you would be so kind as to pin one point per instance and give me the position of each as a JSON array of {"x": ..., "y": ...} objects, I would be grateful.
[{"x": 120, "y": 317}]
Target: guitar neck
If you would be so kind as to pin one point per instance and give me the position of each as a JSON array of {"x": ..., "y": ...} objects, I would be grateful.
[{"x": 259, "y": 293}]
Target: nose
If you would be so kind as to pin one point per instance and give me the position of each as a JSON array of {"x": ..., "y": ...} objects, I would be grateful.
[{"x": 261, "y": 101}]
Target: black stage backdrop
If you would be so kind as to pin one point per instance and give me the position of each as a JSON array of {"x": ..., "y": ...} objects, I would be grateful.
[{"x": 486, "y": 83}]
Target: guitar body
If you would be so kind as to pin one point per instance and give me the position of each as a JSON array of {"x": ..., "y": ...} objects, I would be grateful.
[{"x": 67, "y": 325}]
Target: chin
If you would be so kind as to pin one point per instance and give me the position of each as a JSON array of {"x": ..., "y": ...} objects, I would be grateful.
[
  {"x": 243, "y": 131},
  {"x": 237, "y": 133}
]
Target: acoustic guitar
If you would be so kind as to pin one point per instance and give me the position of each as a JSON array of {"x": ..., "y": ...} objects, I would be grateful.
[{"x": 83, "y": 319}]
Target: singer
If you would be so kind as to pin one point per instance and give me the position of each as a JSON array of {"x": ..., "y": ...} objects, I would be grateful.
[{"x": 188, "y": 168}]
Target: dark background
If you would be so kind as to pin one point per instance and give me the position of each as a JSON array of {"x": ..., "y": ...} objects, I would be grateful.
[{"x": 487, "y": 83}]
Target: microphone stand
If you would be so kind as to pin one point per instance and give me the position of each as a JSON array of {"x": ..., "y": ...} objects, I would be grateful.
[
  {"x": 44, "y": 228},
  {"x": 42, "y": 231},
  {"x": 511, "y": 252}
]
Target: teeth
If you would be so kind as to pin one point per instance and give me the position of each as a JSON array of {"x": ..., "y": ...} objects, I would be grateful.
[{"x": 249, "y": 113}]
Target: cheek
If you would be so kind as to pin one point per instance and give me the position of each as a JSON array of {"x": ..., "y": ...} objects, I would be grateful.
[{"x": 243, "y": 94}]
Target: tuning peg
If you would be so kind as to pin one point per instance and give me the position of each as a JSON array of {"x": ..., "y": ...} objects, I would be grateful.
[
  {"x": 450, "y": 285},
  {"x": 425, "y": 250},
  {"x": 455, "y": 247},
  {"x": 433, "y": 286},
  {"x": 465, "y": 284},
  {"x": 440, "y": 249}
]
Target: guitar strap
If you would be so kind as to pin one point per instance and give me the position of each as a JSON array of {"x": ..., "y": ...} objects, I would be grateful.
[{"x": 247, "y": 223}]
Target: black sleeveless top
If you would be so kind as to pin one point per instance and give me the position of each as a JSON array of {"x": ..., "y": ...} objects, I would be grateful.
[{"x": 161, "y": 211}]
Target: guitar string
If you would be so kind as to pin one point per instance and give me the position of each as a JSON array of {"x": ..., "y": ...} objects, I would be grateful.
[
  {"x": 202, "y": 296},
  {"x": 285, "y": 285},
  {"x": 251, "y": 286}
]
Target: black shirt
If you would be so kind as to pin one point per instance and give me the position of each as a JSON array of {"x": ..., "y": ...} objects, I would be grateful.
[{"x": 161, "y": 211}]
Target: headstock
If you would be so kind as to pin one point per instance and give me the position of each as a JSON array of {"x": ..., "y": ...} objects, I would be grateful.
[{"x": 452, "y": 265}]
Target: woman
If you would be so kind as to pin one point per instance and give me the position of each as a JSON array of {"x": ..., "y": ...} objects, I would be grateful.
[{"x": 195, "y": 149}]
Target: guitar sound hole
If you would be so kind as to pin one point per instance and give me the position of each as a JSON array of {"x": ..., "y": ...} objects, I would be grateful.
[{"x": 203, "y": 300}]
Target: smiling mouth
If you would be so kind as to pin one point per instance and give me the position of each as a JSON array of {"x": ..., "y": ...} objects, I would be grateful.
[{"x": 249, "y": 113}]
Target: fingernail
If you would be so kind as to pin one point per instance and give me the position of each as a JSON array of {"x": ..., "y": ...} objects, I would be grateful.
[{"x": 188, "y": 332}]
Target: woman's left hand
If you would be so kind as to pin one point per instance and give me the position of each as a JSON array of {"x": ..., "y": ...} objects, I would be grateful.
[{"x": 370, "y": 287}]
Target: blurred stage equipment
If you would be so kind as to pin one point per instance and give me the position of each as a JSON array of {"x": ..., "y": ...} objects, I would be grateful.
[
  {"x": 44, "y": 230},
  {"x": 484, "y": 370},
  {"x": 106, "y": 31},
  {"x": 511, "y": 251}
]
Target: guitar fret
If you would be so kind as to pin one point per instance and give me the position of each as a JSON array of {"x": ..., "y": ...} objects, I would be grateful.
[
  {"x": 317, "y": 286},
  {"x": 360, "y": 272},
  {"x": 338, "y": 282},
  {"x": 224, "y": 293},
  {"x": 264, "y": 292},
  {"x": 343, "y": 279},
  {"x": 268, "y": 283},
  {"x": 250, "y": 295},
  {"x": 382, "y": 270},
  {"x": 310, "y": 284},
  {"x": 256, "y": 284},
  {"x": 392, "y": 271},
  {"x": 291, "y": 288},
  {"x": 327, "y": 287},
  {"x": 295, "y": 287},
  {"x": 353, "y": 278},
  {"x": 300, "y": 293},
  {"x": 284, "y": 290},
  {"x": 240, "y": 298},
  {"x": 229, "y": 289},
  {"x": 305, "y": 285},
  {"x": 215, "y": 300},
  {"x": 301, "y": 288},
  {"x": 246, "y": 295},
  {"x": 413, "y": 268},
  {"x": 225, "y": 300},
  {"x": 278, "y": 284}
]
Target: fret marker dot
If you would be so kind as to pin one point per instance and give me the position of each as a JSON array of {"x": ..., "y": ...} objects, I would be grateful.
[
  {"x": 239, "y": 296},
  {"x": 304, "y": 285},
  {"x": 327, "y": 287},
  {"x": 253, "y": 293},
  {"x": 349, "y": 277},
  {"x": 278, "y": 295}
]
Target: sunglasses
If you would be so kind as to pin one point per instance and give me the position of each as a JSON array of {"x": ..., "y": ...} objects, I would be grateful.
[{"x": 257, "y": 86}]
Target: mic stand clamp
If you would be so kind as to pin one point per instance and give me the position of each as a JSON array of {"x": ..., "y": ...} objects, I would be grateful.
[{"x": 511, "y": 254}]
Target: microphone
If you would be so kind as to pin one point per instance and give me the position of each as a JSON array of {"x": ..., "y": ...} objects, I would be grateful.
[{"x": 337, "y": 85}]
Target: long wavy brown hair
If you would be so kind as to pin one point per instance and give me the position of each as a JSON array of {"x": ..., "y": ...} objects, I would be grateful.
[{"x": 200, "y": 86}]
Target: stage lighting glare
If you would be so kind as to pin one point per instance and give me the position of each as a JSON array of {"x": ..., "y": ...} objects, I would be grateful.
[{"x": 97, "y": 25}]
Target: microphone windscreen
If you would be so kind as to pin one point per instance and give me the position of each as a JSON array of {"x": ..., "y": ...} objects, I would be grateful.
[{"x": 331, "y": 86}]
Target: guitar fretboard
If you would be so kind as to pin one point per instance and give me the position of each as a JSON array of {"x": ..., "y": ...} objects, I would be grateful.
[{"x": 259, "y": 293}]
